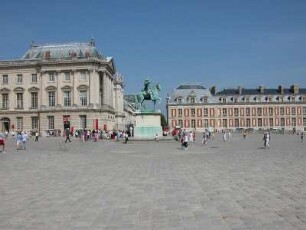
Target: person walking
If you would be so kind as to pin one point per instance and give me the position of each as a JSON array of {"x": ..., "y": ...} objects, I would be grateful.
[
  {"x": 302, "y": 136},
  {"x": 266, "y": 140},
  {"x": 36, "y": 136},
  {"x": 224, "y": 135},
  {"x": 24, "y": 137},
  {"x": 204, "y": 141},
  {"x": 126, "y": 137},
  {"x": 67, "y": 135}
]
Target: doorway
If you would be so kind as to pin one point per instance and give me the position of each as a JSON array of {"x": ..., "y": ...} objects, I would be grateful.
[{"x": 5, "y": 124}]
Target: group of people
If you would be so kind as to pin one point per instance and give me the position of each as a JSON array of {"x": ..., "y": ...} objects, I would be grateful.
[
  {"x": 186, "y": 138},
  {"x": 21, "y": 140}
]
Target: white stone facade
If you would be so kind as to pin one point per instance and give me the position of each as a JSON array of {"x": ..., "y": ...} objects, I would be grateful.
[{"x": 54, "y": 87}]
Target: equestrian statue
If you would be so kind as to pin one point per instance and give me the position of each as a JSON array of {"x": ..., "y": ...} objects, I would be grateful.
[{"x": 148, "y": 93}]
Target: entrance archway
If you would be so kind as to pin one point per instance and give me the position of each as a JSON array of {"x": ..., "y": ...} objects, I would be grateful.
[{"x": 5, "y": 124}]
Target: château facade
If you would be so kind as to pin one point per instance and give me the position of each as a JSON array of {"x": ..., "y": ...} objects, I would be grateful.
[
  {"x": 195, "y": 107},
  {"x": 60, "y": 86}
]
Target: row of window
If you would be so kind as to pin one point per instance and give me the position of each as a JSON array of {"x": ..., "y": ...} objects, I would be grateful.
[
  {"x": 51, "y": 99},
  {"x": 241, "y": 123},
  {"x": 50, "y": 119},
  {"x": 239, "y": 111},
  {"x": 289, "y": 98},
  {"x": 51, "y": 78}
]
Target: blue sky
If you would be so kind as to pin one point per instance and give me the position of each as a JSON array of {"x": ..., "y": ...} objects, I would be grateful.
[{"x": 212, "y": 42}]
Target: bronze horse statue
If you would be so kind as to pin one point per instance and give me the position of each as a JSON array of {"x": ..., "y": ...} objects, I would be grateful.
[{"x": 147, "y": 94}]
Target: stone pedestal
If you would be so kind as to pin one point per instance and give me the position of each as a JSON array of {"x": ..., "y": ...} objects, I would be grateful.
[{"x": 147, "y": 125}]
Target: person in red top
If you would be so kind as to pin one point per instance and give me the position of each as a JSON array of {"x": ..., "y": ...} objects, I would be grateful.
[{"x": 2, "y": 141}]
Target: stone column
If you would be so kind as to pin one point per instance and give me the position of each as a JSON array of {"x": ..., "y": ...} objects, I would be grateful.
[
  {"x": 93, "y": 87},
  {"x": 105, "y": 89},
  {"x": 43, "y": 94},
  {"x": 75, "y": 100}
]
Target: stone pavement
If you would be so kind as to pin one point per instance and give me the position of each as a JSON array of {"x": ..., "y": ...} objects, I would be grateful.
[{"x": 154, "y": 185}]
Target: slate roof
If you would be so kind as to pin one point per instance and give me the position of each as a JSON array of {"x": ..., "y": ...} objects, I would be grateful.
[
  {"x": 63, "y": 51},
  {"x": 191, "y": 86},
  {"x": 228, "y": 92}
]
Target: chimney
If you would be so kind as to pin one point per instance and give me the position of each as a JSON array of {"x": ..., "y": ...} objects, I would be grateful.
[
  {"x": 281, "y": 89},
  {"x": 261, "y": 89},
  {"x": 239, "y": 90},
  {"x": 213, "y": 90},
  {"x": 47, "y": 55},
  {"x": 295, "y": 89}
]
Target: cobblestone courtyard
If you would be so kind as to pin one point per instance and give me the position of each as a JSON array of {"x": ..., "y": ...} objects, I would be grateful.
[{"x": 154, "y": 185}]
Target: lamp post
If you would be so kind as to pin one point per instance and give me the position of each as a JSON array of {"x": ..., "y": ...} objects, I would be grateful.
[{"x": 167, "y": 113}]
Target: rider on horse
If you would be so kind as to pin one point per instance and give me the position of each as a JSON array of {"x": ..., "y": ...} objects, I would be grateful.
[{"x": 147, "y": 91}]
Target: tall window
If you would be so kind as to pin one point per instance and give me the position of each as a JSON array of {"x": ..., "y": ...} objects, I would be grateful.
[
  {"x": 51, "y": 77},
  {"x": 193, "y": 123},
  {"x": 67, "y": 76},
  {"x": 67, "y": 98},
  {"x": 304, "y": 110},
  {"x": 236, "y": 113},
  {"x": 50, "y": 122},
  {"x": 293, "y": 110},
  {"x": 83, "y": 124},
  {"x": 19, "y": 123},
  {"x": 259, "y": 122},
  {"x": 34, "y": 78},
  {"x": 224, "y": 112},
  {"x": 205, "y": 123},
  {"x": 271, "y": 122},
  {"x": 259, "y": 112},
  {"x": 34, "y": 122},
  {"x": 83, "y": 97},
  {"x": 51, "y": 96},
  {"x": 270, "y": 111},
  {"x": 282, "y": 121},
  {"x": 5, "y": 101},
  {"x": 19, "y": 100},
  {"x": 205, "y": 112},
  {"x": 192, "y": 112},
  {"x": 282, "y": 111},
  {"x": 5, "y": 79},
  {"x": 180, "y": 123},
  {"x": 236, "y": 123},
  {"x": 247, "y": 111},
  {"x": 34, "y": 100},
  {"x": 293, "y": 121},
  {"x": 248, "y": 122},
  {"x": 19, "y": 78},
  {"x": 83, "y": 76},
  {"x": 224, "y": 123},
  {"x": 180, "y": 112}
]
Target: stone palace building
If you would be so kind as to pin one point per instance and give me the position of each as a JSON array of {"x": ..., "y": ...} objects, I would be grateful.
[
  {"x": 58, "y": 86},
  {"x": 194, "y": 107}
]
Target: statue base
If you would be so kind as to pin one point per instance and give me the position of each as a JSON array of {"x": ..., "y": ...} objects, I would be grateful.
[{"x": 148, "y": 124}]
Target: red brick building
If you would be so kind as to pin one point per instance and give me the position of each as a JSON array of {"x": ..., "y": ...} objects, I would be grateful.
[{"x": 193, "y": 107}]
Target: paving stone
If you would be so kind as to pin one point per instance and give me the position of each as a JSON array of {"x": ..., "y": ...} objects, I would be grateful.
[{"x": 231, "y": 185}]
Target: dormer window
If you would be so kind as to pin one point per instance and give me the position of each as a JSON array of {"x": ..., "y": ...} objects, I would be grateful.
[
  {"x": 222, "y": 99},
  {"x": 204, "y": 99},
  {"x": 192, "y": 100},
  {"x": 179, "y": 100}
]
